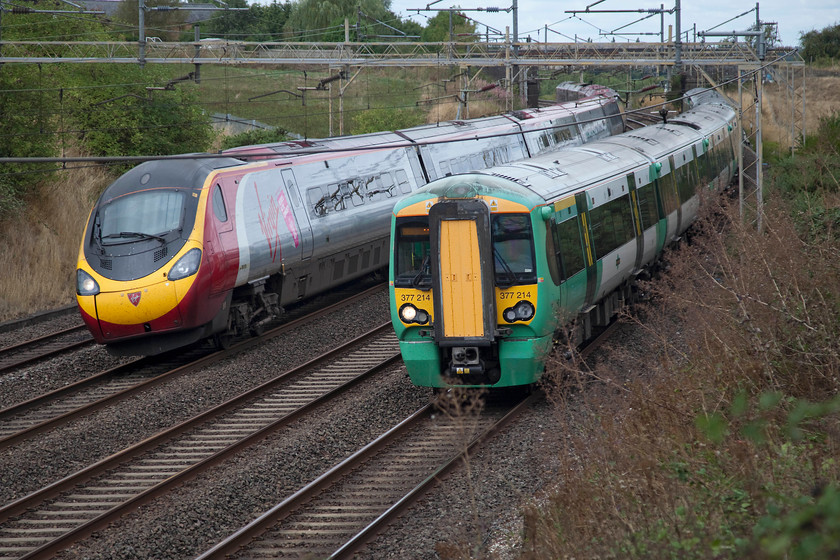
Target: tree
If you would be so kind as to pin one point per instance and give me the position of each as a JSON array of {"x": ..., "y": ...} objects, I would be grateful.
[
  {"x": 821, "y": 45},
  {"x": 262, "y": 22},
  {"x": 321, "y": 20},
  {"x": 438, "y": 29},
  {"x": 164, "y": 24}
]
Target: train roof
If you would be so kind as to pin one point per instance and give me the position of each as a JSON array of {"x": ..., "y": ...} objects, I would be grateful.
[
  {"x": 535, "y": 181},
  {"x": 168, "y": 173},
  {"x": 448, "y": 130}
]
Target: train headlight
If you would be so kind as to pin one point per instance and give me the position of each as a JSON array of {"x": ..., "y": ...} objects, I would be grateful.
[
  {"x": 522, "y": 311},
  {"x": 85, "y": 284},
  {"x": 410, "y": 314},
  {"x": 186, "y": 265}
]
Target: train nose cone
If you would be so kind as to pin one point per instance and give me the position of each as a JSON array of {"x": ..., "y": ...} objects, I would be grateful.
[{"x": 138, "y": 310}]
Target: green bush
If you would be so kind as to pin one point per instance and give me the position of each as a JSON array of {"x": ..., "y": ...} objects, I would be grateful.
[
  {"x": 376, "y": 120},
  {"x": 256, "y": 136}
]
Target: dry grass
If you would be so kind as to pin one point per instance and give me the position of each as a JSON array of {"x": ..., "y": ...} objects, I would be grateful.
[
  {"x": 821, "y": 100},
  {"x": 692, "y": 438},
  {"x": 41, "y": 245}
]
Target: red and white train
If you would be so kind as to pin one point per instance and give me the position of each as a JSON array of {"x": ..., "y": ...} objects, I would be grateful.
[{"x": 178, "y": 250}]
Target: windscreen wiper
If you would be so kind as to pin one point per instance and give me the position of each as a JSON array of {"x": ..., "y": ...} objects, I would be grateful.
[
  {"x": 506, "y": 268},
  {"x": 131, "y": 234},
  {"x": 418, "y": 280}
]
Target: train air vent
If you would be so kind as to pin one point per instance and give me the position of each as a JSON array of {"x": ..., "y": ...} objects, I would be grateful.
[
  {"x": 105, "y": 263},
  {"x": 161, "y": 253}
]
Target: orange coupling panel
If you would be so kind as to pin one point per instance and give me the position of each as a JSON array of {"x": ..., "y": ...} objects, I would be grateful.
[{"x": 460, "y": 269}]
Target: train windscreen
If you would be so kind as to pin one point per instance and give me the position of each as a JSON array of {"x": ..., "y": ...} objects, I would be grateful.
[{"x": 412, "y": 259}]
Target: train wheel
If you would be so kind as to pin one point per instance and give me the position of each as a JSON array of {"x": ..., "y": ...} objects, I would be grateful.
[{"x": 223, "y": 340}]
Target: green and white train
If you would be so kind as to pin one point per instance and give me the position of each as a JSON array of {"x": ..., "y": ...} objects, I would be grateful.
[{"x": 487, "y": 266}]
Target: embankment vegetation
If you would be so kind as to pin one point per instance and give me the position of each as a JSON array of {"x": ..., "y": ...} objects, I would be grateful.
[{"x": 717, "y": 435}]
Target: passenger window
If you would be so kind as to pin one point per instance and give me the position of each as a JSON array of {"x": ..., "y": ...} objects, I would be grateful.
[
  {"x": 219, "y": 204},
  {"x": 667, "y": 189},
  {"x": 612, "y": 226},
  {"x": 402, "y": 181},
  {"x": 569, "y": 248},
  {"x": 647, "y": 206},
  {"x": 315, "y": 200}
]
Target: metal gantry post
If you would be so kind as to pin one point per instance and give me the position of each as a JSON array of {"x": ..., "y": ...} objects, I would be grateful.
[{"x": 759, "y": 169}]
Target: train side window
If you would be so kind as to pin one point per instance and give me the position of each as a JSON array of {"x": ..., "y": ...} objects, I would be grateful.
[
  {"x": 647, "y": 205},
  {"x": 685, "y": 181},
  {"x": 568, "y": 246},
  {"x": 315, "y": 200},
  {"x": 667, "y": 189},
  {"x": 293, "y": 194},
  {"x": 402, "y": 181},
  {"x": 386, "y": 182},
  {"x": 612, "y": 225},
  {"x": 219, "y": 204},
  {"x": 357, "y": 187}
]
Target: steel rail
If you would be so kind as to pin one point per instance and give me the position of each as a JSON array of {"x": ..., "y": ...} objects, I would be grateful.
[
  {"x": 389, "y": 449},
  {"x": 117, "y": 464},
  {"x": 17, "y": 355},
  {"x": 122, "y": 392}
]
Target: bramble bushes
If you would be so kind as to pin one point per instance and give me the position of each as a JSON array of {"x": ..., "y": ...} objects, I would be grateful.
[{"x": 717, "y": 433}]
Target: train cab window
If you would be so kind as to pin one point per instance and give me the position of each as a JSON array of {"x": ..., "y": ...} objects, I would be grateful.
[
  {"x": 141, "y": 216},
  {"x": 568, "y": 248},
  {"x": 513, "y": 250},
  {"x": 412, "y": 259},
  {"x": 219, "y": 204}
]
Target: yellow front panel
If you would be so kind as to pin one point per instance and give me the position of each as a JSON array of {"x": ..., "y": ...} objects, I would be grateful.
[
  {"x": 152, "y": 301},
  {"x": 460, "y": 269}
]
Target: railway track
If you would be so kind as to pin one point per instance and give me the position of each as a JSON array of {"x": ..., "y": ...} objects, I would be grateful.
[
  {"x": 46, "y": 521},
  {"x": 25, "y": 353},
  {"x": 340, "y": 511},
  {"x": 51, "y": 410}
]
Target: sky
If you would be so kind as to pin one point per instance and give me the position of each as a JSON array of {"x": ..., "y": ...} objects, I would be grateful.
[{"x": 794, "y": 17}]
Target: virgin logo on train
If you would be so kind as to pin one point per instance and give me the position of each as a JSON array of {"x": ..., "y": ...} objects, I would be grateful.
[{"x": 134, "y": 298}]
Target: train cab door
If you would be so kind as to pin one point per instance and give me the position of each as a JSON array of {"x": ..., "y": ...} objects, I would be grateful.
[
  {"x": 220, "y": 240},
  {"x": 462, "y": 273}
]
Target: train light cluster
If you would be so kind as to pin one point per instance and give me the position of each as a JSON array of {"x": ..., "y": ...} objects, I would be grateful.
[
  {"x": 522, "y": 311},
  {"x": 85, "y": 284},
  {"x": 410, "y": 314},
  {"x": 186, "y": 265}
]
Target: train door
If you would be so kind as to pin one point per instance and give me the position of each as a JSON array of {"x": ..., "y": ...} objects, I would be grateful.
[
  {"x": 570, "y": 255},
  {"x": 685, "y": 172},
  {"x": 222, "y": 247},
  {"x": 463, "y": 282},
  {"x": 300, "y": 271},
  {"x": 646, "y": 215},
  {"x": 667, "y": 187},
  {"x": 302, "y": 217},
  {"x": 588, "y": 250}
]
